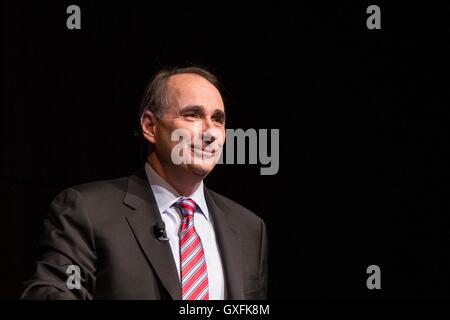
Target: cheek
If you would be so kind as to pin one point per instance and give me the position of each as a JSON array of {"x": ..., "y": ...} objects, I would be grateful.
[
  {"x": 224, "y": 135},
  {"x": 189, "y": 131},
  {"x": 166, "y": 129},
  {"x": 163, "y": 139},
  {"x": 220, "y": 135},
  {"x": 176, "y": 133}
]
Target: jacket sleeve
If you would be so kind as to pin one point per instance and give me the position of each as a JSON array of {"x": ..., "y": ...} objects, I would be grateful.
[{"x": 66, "y": 246}]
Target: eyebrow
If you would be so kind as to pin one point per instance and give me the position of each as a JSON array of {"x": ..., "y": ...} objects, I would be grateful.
[
  {"x": 219, "y": 114},
  {"x": 197, "y": 109},
  {"x": 200, "y": 110}
]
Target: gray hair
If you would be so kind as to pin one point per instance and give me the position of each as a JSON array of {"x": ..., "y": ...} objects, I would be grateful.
[{"x": 155, "y": 98}]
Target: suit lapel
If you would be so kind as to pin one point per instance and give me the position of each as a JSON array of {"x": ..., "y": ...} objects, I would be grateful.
[
  {"x": 140, "y": 197},
  {"x": 229, "y": 247}
]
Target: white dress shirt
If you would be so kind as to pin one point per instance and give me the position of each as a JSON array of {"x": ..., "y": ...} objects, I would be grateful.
[{"x": 166, "y": 196}]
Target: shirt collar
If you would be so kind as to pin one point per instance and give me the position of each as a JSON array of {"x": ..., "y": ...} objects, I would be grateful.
[{"x": 166, "y": 195}]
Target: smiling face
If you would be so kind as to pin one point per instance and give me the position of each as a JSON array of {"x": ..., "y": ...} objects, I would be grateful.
[{"x": 194, "y": 107}]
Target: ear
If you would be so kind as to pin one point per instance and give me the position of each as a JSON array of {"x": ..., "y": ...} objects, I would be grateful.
[{"x": 148, "y": 124}]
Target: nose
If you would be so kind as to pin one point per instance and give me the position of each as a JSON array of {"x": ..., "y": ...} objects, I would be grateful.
[
  {"x": 209, "y": 136},
  {"x": 207, "y": 123}
]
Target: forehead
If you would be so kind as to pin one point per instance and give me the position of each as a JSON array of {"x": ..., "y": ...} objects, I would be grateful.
[{"x": 192, "y": 88}]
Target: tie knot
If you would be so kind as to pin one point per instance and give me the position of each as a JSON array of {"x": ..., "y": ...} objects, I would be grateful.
[{"x": 186, "y": 205}]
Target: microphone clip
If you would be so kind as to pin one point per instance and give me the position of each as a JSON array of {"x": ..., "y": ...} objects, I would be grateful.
[{"x": 160, "y": 232}]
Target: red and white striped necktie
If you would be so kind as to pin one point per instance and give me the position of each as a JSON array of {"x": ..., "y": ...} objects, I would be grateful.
[{"x": 194, "y": 275}]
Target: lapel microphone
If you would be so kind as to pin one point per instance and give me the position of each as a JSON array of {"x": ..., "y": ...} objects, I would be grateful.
[{"x": 159, "y": 230}]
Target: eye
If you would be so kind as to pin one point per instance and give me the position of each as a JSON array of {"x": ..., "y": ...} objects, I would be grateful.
[
  {"x": 190, "y": 115},
  {"x": 219, "y": 119}
]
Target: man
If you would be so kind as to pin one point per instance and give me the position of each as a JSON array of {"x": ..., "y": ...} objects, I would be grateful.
[{"x": 160, "y": 233}]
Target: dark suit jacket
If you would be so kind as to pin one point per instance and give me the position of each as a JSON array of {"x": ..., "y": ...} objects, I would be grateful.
[{"x": 106, "y": 228}]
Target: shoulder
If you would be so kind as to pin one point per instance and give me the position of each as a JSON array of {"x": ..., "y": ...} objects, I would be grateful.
[
  {"x": 102, "y": 188},
  {"x": 237, "y": 211},
  {"x": 94, "y": 194}
]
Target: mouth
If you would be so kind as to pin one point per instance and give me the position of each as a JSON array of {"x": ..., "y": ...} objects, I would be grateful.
[{"x": 203, "y": 152}]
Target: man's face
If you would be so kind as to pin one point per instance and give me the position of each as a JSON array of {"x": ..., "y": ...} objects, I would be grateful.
[{"x": 195, "y": 110}]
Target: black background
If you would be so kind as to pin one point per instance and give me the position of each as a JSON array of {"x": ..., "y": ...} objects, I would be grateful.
[{"x": 363, "y": 116}]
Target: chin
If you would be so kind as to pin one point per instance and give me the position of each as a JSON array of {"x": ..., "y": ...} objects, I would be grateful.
[{"x": 201, "y": 170}]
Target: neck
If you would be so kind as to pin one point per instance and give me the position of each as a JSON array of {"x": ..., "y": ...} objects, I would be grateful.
[{"x": 184, "y": 183}]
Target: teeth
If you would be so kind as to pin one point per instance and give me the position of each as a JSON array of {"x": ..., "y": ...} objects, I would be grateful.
[{"x": 202, "y": 153}]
